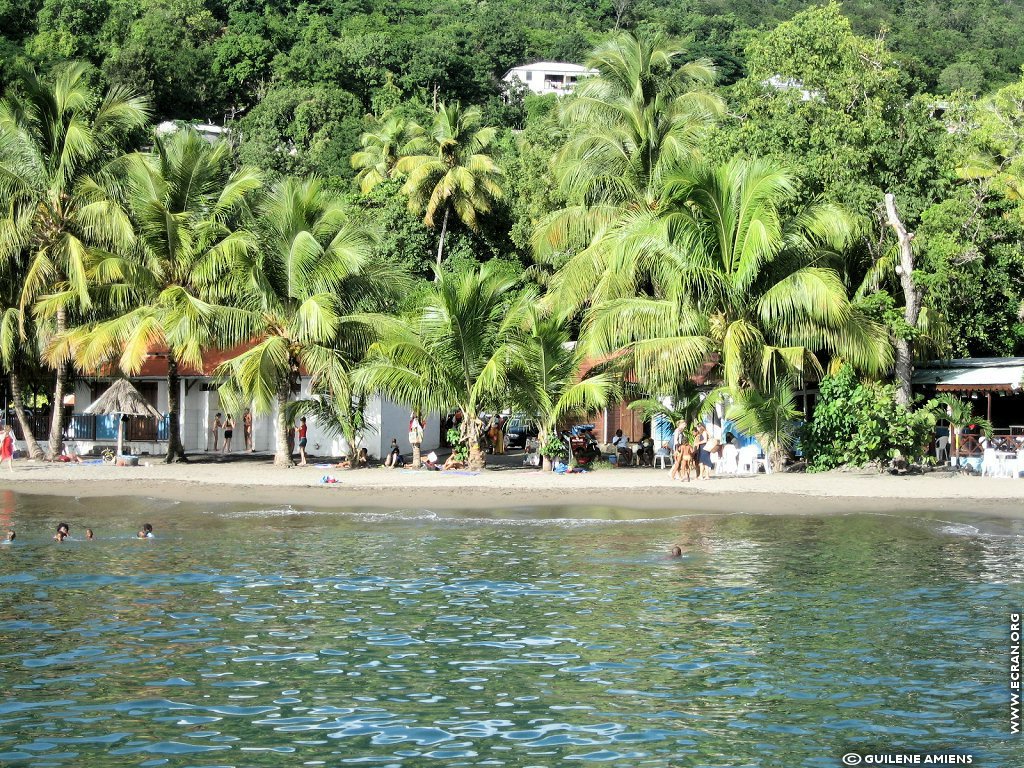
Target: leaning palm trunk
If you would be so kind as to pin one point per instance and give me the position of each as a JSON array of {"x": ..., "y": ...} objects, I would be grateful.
[
  {"x": 175, "y": 449},
  {"x": 18, "y": 403},
  {"x": 283, "y": 455},
  {"x": 57, "y": 413}
]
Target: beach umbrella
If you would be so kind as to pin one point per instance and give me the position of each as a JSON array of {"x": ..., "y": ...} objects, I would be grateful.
[{"x": 121, "y": 399}]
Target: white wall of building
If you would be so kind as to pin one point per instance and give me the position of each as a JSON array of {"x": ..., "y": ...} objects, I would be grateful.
[
  {"x": 199, "y": 403},
  {"x": 544, "y": 77}
]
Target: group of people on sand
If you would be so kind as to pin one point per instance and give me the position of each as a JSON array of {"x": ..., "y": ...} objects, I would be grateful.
[
  {"x": 222, "y": 431},
  {"x": 63, "y": 533},
  {"x": 693, "y": 452}
]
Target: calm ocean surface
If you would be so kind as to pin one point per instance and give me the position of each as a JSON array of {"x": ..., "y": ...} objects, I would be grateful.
[{"x": 247, "y": 636}]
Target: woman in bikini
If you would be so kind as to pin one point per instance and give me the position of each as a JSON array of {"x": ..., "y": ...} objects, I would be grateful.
[{"x": 229, "y": 430}]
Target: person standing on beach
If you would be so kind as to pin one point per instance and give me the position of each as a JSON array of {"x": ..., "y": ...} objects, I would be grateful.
[
  {"x": 215, "y": 430},
  {"x": 247, "y": 428},
  {"x": 7, "y": 447},
  {"x": 300, "y": 432},
  {"x": 229, "y": 430}
]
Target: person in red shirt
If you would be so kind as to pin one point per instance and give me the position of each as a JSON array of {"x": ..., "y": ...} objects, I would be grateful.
[
  {"x": 7, "y": 447},
  {"x": 301, "y": 433}
]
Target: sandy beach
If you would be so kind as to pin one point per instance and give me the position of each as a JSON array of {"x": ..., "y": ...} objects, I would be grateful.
[{"x": 257, "y": 480}]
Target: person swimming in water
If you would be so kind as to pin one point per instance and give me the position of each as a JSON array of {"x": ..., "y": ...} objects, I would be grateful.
[
  {"x": 677, "y": 552},
  {"x": 11, "y": 535},
  {"x": 146, "y": 532},
  {"x": 63, "y": 531},
  {"x": 89, "y": 534}
]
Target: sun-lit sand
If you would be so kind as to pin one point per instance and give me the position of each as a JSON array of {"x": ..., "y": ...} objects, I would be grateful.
[{"x": 256, "y": 479}]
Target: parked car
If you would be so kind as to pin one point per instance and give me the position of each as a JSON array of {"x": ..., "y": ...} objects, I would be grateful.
[{"x": 518, "y": 430}]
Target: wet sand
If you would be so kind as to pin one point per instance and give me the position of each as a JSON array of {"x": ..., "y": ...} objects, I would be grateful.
[{"x": 256, "y": 480}]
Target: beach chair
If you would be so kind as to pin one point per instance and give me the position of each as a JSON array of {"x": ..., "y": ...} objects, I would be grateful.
[
  {"x": 990, "y": 463},
  {"x": 942, "y": 450},
  {"x": 746, "y": 460},
  {"x": 728, "y": 464}
]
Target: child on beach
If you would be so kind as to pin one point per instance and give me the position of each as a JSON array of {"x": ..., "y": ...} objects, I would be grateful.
[
  {"x": 683, "y": 461},
  {"x": 7, "y": 447},
  {"x": 300, "y": 432}
]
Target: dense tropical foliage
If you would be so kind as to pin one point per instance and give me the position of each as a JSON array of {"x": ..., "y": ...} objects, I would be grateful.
[{"x": 386, "y": 215}]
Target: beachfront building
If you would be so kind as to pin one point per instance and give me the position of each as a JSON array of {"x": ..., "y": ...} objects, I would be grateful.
[
  {"x": 199, "y": 402},
  {"x": 544, "y": 77}
]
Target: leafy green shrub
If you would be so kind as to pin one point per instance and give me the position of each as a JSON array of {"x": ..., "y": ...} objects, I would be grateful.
[
  {"x": 857, "y": 422},
  {"x": 554, "y": 447},
  {"x": 458, "y": 444}
]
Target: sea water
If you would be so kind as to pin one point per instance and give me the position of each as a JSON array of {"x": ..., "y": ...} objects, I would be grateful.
[{"x": 249, "y": 636}]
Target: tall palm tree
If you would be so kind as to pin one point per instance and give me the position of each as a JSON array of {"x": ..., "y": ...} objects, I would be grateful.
[
  {"x": 641, "y": 116},
  {"x": 382, "y": 147},
  {"x": 17, "y": 338},
  {"x": 457, "y": 350},
  {"x": 548, "y": 380},
  {"x": 184, "y": 201},
  {"x": 300, "y": 291},
  {"x": 56, "y": 135},
  {"x": 451, "y": 170},
  {"x": 726, "y": 272}
]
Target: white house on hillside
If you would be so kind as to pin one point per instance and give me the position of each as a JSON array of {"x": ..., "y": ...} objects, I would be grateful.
[{"x": 548, "y": 76}]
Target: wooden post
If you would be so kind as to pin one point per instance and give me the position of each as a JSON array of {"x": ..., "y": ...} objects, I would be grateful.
[
  {"x": 989, "y": 414},
  {"x": 912, "y": 302}
]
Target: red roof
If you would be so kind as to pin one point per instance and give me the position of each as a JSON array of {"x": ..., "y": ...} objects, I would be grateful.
[{"x": 155, "y": 364}]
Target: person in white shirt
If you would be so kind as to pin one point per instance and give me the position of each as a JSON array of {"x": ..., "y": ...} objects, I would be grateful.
[{"x": 623, "y": 452}]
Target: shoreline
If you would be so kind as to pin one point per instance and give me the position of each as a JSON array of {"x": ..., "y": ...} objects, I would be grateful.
[{"x": 257, "y": 481}]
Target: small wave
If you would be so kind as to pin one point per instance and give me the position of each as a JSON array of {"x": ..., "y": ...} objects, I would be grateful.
[{"x": 959, "y": 529}]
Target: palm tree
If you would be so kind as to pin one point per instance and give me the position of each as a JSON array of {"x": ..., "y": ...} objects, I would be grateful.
[
  {"x": 640, "y": 117},
  {"x": 457, "y": 350},
  {"x": 184, "y": 201},
  {"x": 546, "y": 380},
  {"x": 725, "y": 273},
  {"x": 769, "y": 415},
  {"x": 382, "y": 147},
  {"x": 56, "y": 135},
  {"x": 683, "y": 402},
  {"x": 960, "y": 414},
  {"x": 300, "y": 291},
  {"x": 17, "y": 339},
  {"x": 451, "y": 170}
]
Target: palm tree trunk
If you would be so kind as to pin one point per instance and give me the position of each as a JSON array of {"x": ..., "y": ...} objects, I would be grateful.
[
  {"x": 416, "y": 463},
  {"x": 475, "y": 461},
  {"x": 18, "y": 403},
  {"x": 283, "y": 455},
  {"x": 57, "y": 412},
  {"x": 440, "y": 242},
  {"x": 175, "y": 449}
]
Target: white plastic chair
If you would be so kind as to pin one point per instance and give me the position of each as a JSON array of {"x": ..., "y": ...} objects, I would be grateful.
[
  {"x": 990, "y": 463},
  {"x": 747, "y": 460},
  {"x": 942, "y": 449},
  {"x": 1012, "y": 467},
  {"x": 728, "y": 464},
  {"x": 662, "y": 459}
]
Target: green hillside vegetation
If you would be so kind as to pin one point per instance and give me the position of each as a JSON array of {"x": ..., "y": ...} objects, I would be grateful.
[{"x": 715, "y": 193}]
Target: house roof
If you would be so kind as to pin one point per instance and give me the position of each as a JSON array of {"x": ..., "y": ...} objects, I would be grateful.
[
  {"x": 980, "y": 374},
  {"x": 155, "y": 364},
  {"x": 554, "y": 67}
]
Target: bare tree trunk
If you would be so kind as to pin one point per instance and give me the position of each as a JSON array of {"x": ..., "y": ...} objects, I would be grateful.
[
  {"x": 440, "y": 242},
  {"x": 283, "y": 454},
  {"x": 912, "y": 304},
  {"x": 57, "y": 412},
  {"x": 175, "y": 449},
  {"x": 18, "y": 403}
]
